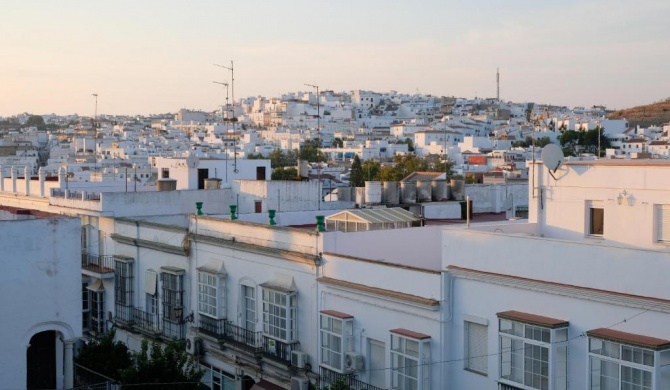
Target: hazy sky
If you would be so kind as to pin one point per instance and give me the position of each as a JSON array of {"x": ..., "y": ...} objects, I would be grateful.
[{"x": 145, "y": 56}]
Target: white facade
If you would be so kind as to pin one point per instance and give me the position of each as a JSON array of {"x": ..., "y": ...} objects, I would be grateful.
[
  {"x": 40, "y": 295},
  {"x": 590, "y": 262},
  {"x": 193, "y": 176}
]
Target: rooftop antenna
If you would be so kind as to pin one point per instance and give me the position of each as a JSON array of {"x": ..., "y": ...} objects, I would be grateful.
[
  {"x": 226, "y": 141},
  {"x": 231, "y": 68},
  {"x": 318, "y": 137},
  {"x": 498, "y": 84}
]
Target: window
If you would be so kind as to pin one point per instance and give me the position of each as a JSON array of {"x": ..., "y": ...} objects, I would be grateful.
[
  {"x": 476, "y": 347},
  {"x": 165, "y": 173},
  {"x": 85, "y": 312},
  {"x": 596, "y": 218},
  {"x": 280, "y": 314},
  {"x": 97, "y": 322},
  {"x": 216, "y": 379},
  {"x": 663, "y": 223},
  {"x": 123, "y": 282},
  {"x": 211, "y": 301},
  {"x": 618, "y": 361},
  {"x": 249, "y": 296},
  {"x": 529, "y": 346},
  {"x": 150, "y": 292},
  {"x": 173, "y": 293},
  {"x": 336, "y": 330},
  {"x": 410, "y": 360}
]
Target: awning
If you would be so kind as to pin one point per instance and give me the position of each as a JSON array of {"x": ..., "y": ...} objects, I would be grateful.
[
  {"x": 150, "y": 279},
  {"x": 265, "y": 385},
  {"x": 213, "y": 267},
  {"x": 96, "y": 286},
  {"x": 281, "y": 282}
]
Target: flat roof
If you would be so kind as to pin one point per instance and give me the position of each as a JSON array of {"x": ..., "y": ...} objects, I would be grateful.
[{"x": 614, "y": 162}]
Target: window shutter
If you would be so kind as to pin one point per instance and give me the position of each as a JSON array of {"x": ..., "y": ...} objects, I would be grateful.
[
  {"x": 477, "y": 347},
  {"x": 150, "y": 282},
  {"x": 663, "y": 221}
]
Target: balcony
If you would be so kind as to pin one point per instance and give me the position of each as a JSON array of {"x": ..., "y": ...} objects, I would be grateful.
[
  {"x": 123, "y": 313},
  {"x": 212, "y": 327},
  {"x": 279, "y": 350},
  {"x": 173, "y": 329},
  {"x": 147, "y": 322},
  {"x": 334, "y": 379},
  {"x": 236, "y": 336},
  {"x": 98, "y": 266}
]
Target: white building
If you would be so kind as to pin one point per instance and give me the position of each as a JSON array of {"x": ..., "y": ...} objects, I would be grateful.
[
  {"x": 575, "y": 298},
  {"x": 40, "y": 296}
]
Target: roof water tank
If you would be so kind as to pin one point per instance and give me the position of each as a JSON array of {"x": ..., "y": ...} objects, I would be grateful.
[
  {"x": 408, "y": 192},
  {"x": 360, "y": 195},
  {"x": 166, "y": 184},
  {"x": 424, "y": 191},
  {"x": 373, "y": 192},
  {"x": 391, "y": 192},
  {"x": 440, "y": 190},
  {"x": 458, "y": 189}
]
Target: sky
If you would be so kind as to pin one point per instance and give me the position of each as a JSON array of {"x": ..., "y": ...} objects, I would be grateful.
[{"x": 151, "y": 56}]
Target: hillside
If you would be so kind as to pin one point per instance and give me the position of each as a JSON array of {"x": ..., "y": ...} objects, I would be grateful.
[{"x": 647, "y": 115}]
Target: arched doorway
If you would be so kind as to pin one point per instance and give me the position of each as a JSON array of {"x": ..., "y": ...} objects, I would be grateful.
[{"x": 41, "y": 361}]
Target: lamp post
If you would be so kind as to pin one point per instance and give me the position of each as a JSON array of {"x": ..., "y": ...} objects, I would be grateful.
[
  {"x": 231, "y": 68},
  {"x": 318, "y": 137}
]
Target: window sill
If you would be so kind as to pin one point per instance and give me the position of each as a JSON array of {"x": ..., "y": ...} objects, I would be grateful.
[
  {"x": 595, "y": 236},
  {"x": 476, "y": 372}
]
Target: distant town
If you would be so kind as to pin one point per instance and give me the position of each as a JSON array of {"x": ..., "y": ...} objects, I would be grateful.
[{"x": 336, "y": 241}]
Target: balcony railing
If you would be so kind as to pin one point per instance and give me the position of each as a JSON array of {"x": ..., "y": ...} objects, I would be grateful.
[
  {"x": 212, "y": 326},
  {"x": 123, "y": 313},
  {"x": 247, "y": 339},
  {"x": 101, "y": 264},
  {"x": 173, "y": 329},
  {"x": 146, "y": 321},
  {"x": 329, "y": 378},
  {"x": 279, "y": 350}
]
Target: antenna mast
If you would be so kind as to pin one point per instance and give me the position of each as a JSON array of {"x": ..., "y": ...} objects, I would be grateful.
[{"x": 498, "y": 84}]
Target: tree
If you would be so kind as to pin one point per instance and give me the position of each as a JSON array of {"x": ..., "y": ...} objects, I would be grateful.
[
  {"x": 105, "y": 356},
  {"x": 338, "y": 142},
  {"x": 169, "y": 364},
  {"x": 36, "y": 121},
  {"x": 289, "y": 173},
  {"x": 356, "y": 175},
  {"x": 370, "y": 169}
]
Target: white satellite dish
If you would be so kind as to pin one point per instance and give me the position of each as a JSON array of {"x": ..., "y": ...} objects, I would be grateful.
[
  {"x": 192, "y": 161},
  {"x": 552, "y": 157}
]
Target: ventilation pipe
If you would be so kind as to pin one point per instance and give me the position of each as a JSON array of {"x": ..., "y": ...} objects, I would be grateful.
[
  {"x": 233, "y": 212},
  {"x": 271, "y": 215},
  {"x": 320, "y": 224},
  {"x": 198, "y": 205}
]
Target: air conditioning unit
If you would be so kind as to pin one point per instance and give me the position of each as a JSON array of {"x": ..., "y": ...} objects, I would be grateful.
[
  {"x": 299, "y": 383},
  {"x": 299, "y": 359},
  {"x": 194, "y": 345},
  {"x": 354, "y": 362}
]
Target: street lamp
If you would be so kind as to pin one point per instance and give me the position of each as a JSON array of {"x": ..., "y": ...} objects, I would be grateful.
[
  {"x": 231, "y": 68},
  {"x": 179, "y": 316},
  {"x": 318, "y": 137}
]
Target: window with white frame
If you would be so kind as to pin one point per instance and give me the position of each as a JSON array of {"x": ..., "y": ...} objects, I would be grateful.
[
  {"x": 618, "y": 361},
  {"x": 476, "y": 347},
  {"x": 249, "y": 303},
  {"x": 280, "y": 314},
  {"x": 595, "y": 218},
  {"x": 663, "y": 223},
  {"x": 336, "y": 330},
  {"x": 530, "y": 346},
  {"x": 211, "y": 298},
  {"x": 151, "y": 293},
  {"x": 215, "y": 378},
  {"x": 410, "y": 360}
]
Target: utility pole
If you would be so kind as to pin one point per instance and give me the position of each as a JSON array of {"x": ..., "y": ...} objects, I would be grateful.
[
  {"x": 95, "y": 130},
  {"x": 318, "y": 137},
  {"x": 231, "y": 68}
]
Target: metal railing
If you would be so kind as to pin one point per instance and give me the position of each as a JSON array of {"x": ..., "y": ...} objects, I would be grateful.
[
  {"x": 146, "y": 321},
  {"x": 329, "y": 378},
  {"x": 86, "y": 378},
  {"x": 173, "y": 329},
  {"x": 123, "y": 313},
  {"x": 279, "y": 350},
  {"x": 248, "y": 339},
  {"x": 101, "y": 264},
  {"x": 212, "y": 326}
]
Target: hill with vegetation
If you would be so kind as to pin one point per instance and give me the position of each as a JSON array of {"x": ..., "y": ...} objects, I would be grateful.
[{"x": 651, "y": 114}]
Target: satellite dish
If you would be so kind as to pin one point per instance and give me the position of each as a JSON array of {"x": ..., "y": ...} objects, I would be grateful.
[
  {"x": 192, "y": 161},
  {"x": 552, "y": 157}
]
